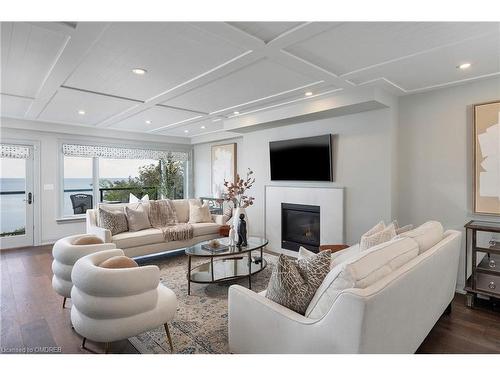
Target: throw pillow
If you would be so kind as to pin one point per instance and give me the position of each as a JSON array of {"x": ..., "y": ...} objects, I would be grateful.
[
  {"x": 377, "y": 238},
  {"x": 119, "y": 261},
  {"x": 199, "y": 213},
  {"x": 114, "y": 221},
  {"x": 137, "y": 218},
  {"x": 88, "y": 240},
  {"x": 406, "y": 228},
  {"x": 293, "y": 283},
  {"x": 377, "y": 228},
  {"x": 344, "y": 255},
  {"x": 426, "y": 235},
  {"x": 133, "y": 199},
  {"x": 227, "y": 210}
]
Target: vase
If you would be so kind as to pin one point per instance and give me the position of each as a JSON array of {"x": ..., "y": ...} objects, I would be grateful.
[{"x": 236, "y": 219}]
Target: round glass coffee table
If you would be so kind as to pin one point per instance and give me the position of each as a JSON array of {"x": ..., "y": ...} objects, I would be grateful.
[{"x": 230, "y": 263}]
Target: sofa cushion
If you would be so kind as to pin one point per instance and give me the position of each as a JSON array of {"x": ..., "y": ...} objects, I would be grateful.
[
  {"x": 114, "y": 221},
  {"x": 88, "y": 240},
  {"x": 119, "y": 261},
  {"x": 199, "y": 213},
  {"x": 426, "y": 235},
  {"x": 137, "y": 218},
  {"x": 181, "y": 207},
  {"x": 294, "y": 283},
  {"x": 370, "y": 240},
  {"x": 361, "y": 271},
  {"x": 140, "y": 238},
  {"x": 204, "y": 229}
]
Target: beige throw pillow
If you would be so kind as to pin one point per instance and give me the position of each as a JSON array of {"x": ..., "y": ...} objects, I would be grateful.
[
  {"x": 426, "y": 235},
  {"x": 88, "y": 240},
  {"x": 137, "y": 218},
  {"x": 293, "y": 283},
  {"x": 119, "y": 261},
  {"x": 199, "y": 213},
  {"x": 368, "y": 241},
  {"x": 114, "y": 221}
]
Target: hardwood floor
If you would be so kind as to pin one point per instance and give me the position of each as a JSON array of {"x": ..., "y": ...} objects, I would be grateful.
[{"x": 32, "y": 317}]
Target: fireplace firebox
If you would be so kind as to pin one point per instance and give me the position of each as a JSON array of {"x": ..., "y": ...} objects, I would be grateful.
[{"x": 300, "y": 226}]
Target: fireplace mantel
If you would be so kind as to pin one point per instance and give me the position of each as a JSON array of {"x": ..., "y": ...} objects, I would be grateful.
[{"x": 329, "y": 199}]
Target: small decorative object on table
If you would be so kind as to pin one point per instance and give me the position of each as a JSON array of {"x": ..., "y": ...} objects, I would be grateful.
[
  {"x": 214, "y": 245},
  {"x": 232, "y": 234},
  {"x": 235, "y": 192},
  {"x": 242, "y": 231}
]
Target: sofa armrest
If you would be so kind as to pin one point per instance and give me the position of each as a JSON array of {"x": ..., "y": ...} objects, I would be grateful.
[
  {"x": 258, "y": 325},
  {"x": 103, "y": 234},
  {"x": 218, "y": 219}
]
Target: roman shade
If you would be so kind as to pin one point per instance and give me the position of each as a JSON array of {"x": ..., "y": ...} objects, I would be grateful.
[{"x": 15, "y": 151}]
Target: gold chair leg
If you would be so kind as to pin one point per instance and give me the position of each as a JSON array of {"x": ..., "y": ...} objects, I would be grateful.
[
  {"x": 64, "y": 302},
  {"x": 169, "y": 338},
  {"x": 106, "y": 347}
]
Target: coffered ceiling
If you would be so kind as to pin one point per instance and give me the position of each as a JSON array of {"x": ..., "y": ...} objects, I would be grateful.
[{"x": 196, "y": 75}]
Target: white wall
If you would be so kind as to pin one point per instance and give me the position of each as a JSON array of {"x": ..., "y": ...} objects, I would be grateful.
[
  {"x": 435, "y": 155},
  {"x": 363, "y": 154},
  {"x": 50, "y": 228}
]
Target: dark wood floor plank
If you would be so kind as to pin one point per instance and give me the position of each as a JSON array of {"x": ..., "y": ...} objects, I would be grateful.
[{"x": 31, "y": 314}]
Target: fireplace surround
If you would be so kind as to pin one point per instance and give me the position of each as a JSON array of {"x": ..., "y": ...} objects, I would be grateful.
[{"x": 300, "y": 226}]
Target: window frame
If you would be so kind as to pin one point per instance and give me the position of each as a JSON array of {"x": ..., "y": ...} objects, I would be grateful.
[{"x": 95, "y": 171}]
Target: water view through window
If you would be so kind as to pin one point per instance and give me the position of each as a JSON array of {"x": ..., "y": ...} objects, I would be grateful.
[{"x": 12, "y": 187}]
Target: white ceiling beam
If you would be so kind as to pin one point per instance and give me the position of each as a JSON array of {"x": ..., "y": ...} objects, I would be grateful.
[{"x": 78, "y": 44}]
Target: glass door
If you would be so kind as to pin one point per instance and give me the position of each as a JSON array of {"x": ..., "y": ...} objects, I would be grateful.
[{"x": 16, "y": 196}]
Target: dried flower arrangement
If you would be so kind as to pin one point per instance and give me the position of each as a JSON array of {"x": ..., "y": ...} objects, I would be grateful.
[{"x": 235, "y": 191}]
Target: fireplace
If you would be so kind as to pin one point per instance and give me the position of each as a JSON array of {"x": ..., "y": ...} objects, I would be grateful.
[{"x": 300, "y": 226}]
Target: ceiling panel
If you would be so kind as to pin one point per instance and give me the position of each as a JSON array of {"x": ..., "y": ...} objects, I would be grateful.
[
  {"x": 356, "y": 45},
  {"x": 265, "y": 31},
  {"x": 65, "y": 105},
  {"x": 194, "y": 128},
  {"x": 156, "y": 116},
  {"x": 14, "y": 106},
  {"x": 439, "y": 66},
  {"x": 28, "y": 53},
  {"x": 171, "y": 52},
  {"x": 256, "y": 81}
]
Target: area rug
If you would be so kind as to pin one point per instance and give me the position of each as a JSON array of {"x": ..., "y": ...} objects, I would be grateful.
[{"x": 200, "y": 325}]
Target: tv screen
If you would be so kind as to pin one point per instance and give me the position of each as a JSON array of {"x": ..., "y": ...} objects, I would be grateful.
[{"x": 302, "y": 159}]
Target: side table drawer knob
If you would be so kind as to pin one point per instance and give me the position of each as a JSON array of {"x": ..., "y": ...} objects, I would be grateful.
[
  {"x": 492, "y": 263},
  {"x": 492, "y": 285}
]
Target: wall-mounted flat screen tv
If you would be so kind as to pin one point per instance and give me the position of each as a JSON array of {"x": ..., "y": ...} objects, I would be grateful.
[{"x": 302, "y": 159}]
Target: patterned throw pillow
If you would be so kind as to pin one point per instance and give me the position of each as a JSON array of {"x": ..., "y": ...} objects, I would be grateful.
[
  {"x": 115, "y": 221},
  {"x": 293, "y": 283},
  {"x": 377, "y": 238},
  {"x": 227, "y": 210}
]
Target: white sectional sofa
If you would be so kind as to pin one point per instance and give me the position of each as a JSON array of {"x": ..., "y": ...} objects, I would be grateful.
[
  {"x": 150, "y": 241},
  {"x": 392, "y": 315}
]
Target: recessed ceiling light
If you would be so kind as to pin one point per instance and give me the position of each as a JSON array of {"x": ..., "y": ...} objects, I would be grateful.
[
  {"x": 464, "y": 66},
  {"x": 186, "y": 131},
  {"x": 309, "y": 93},
  {"x": 202, "y": 127},
  {"x": 81, "y": 112},
  {"x": 139, "y": 71},
  {"x": 236, "y": 113},
  {"x": 148, "y": 122}
]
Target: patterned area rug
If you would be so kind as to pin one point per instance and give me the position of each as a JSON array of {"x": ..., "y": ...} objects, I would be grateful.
[{"x": 200, "y": 325}]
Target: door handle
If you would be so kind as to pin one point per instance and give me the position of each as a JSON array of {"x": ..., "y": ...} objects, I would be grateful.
[{"x": 30, "y": 198}]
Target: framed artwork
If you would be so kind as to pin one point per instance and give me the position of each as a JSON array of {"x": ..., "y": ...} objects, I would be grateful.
[
  {"x": 486, "y": 154},
  {"x": 223, "y": 167}
]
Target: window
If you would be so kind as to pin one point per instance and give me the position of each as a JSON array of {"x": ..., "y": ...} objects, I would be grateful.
[
  {"x": 94, "y": 174},
  {"x": 78, "y": 185}
]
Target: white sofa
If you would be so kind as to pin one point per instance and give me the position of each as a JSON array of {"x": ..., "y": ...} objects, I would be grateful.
[
  {"x": 393, "y": 315},
  {"x": 150, "y": 241},
  {"x": 111, "y": 304}
]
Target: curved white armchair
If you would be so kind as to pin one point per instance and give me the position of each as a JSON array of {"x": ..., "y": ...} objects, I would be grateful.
[
  {"x": 111, "y": 304},
  {"x": 65, "y": 255}
]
